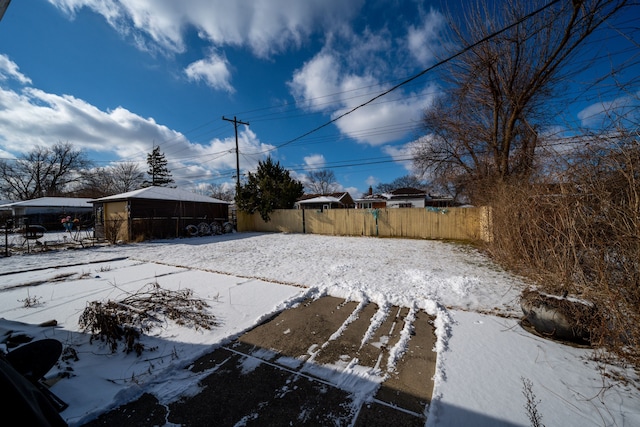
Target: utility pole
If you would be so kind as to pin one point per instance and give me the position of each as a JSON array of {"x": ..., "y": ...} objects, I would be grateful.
[{"x": 236, "y": 122}]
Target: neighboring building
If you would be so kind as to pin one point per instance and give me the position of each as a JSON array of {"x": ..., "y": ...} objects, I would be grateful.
[
  {"x": 371, "y": 201},
  {"x": 49, "y": 211},
  {"x": 400, "y": 198},
  {"x": 155, "y": 213},
  {"x": 407, "y": 198},
  {"x": 438, "y": 201},
  {"x": 322, "y": 202}
]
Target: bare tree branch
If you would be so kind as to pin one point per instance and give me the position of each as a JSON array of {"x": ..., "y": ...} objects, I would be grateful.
[
  {"x": 486, "y": 126},
  {"x": 321, "y": 182},
  {"x": 42, "y": 172}
]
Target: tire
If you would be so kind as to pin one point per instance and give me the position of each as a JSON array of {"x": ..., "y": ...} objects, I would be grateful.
[
  {"x": 216, "y": 228},
  {"x": 191, "y": 230},
  {"x": 227, "y": 227},
  {"x": 204, "y": 229}
]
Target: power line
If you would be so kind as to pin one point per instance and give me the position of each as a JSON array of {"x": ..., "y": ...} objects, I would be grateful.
[
  {"x": 423, "y": 72},
  {"x": 368, "y": 132},
  {"x": 378, "y": 96},
  {"x": 393, "y": 88}
]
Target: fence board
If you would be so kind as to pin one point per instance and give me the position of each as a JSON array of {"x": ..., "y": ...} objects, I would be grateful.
[{"x": 449, "y": 223}]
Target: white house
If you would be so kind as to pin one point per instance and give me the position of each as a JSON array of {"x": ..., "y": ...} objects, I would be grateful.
[{"x": 407, "y": 198}]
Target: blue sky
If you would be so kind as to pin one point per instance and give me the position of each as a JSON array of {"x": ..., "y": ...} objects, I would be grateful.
[{"x": 115, "y": 78}]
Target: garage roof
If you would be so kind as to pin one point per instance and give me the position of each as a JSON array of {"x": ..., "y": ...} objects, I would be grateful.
[{"x": 161, "y": 193}]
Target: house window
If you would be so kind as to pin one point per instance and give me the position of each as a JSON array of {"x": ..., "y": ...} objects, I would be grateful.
[
  {"x": 405, "y": 205},
  {"x": 365, "y": 205},
  {"x": 325, "y": 207}
]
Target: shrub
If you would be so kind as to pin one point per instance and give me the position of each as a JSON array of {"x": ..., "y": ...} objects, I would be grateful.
[{"x": 579, "y": 234}]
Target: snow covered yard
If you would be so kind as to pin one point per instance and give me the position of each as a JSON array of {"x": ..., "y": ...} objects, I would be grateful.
[{"x": 483, "y": 355}]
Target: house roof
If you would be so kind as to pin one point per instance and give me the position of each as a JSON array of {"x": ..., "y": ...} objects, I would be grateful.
[
  {"x": 5, "y": 205},
  {"x": 407, "y": 194},
  {"x": 339, "y": 196},
  {"x": 58, "y": 202},
  {"x": 372, "y": 197},
  {"x": 161, "y": 193},
  {"x": 320, "y": 199},
  {"x": 408, "y": 191}
]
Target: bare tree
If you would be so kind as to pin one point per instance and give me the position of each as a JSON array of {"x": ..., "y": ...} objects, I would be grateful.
[
  {"x": 486, "y": 126},
  {"x": 42, "y": 172},
  {"x": 95, "y": 182},
  {"x": 321, "y": 182},
  {"x": 220, "y": 191},
  {"x": 101, "y": 182},
  {"x": 127, "y": 176},
  {"x": 407, "y": 181}
]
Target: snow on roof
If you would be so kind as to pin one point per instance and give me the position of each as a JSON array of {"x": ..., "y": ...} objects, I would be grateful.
[
  {"x": 161, "y": 193},
  {"x": 5, "y": 205},
  {"x": 339, "y": 195},
  {"x": 369, "y": 197},
  {"x": 59, "y": 202},
  {"x": 321, "y": 199}
]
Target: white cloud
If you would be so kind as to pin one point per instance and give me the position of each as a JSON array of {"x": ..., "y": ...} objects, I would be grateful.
[
  {"x": 10, "y": 70},
  {"x": 317, "y": 84},
  {"x": 33, "y": 118},
  {"x": 265, "y": 26},
  {"x": 321, "y": 85},
  {"x": 353, "y": 191},
  {"x": 423, "y": 40},
  {"x": 36, "y": 118},
  {"x": 606, "y": 112},
  {"x": 352, "y": 69},
  {"x": 402, "y": 154},
  {"x": 315, "y": 161},
  {"x": 385, "y": 120},
  {"x": 216, "y": 159},
  {"x": 214, "y": 71},
  {"x": 220, "y": 153}
]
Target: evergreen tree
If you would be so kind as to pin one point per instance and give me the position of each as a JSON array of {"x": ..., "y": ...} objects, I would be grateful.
[
  {"x": 269, "y": 188},
  {"x": 158, "y": 171}
]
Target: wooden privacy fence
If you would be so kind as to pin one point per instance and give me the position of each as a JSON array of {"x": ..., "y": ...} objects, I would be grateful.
[{"x": 429, "y": 223}]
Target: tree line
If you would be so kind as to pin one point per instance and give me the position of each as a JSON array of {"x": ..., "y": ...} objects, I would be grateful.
[{"x": 62, "y": 170}]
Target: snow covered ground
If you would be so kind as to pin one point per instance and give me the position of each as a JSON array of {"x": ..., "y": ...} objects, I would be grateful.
[{"x": 484, "y": 356}]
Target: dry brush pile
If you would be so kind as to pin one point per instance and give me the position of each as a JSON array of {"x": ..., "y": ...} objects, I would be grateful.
[
  {"x": 128, "y": 319},
  {"x": 579, "y": 235}
]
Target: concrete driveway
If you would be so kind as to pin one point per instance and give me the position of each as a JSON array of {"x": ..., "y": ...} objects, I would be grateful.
[{"x": 278, "y": 374}]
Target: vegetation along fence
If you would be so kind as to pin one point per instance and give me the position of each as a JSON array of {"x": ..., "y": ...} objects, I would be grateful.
[{"x": 429, "y": 223}]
